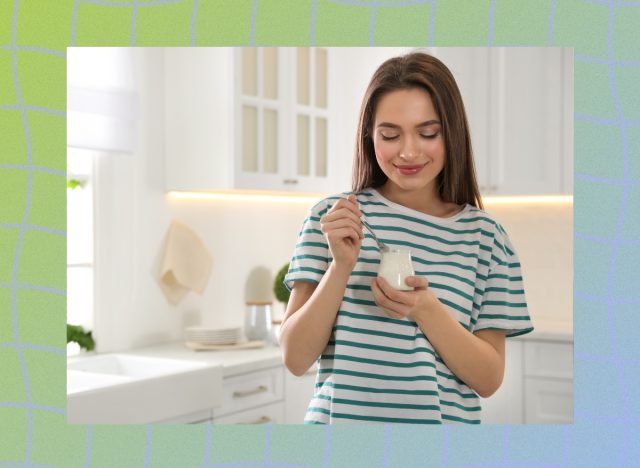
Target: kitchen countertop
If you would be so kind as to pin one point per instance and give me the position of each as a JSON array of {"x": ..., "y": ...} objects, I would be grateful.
[{"x": 233, "y": 362}]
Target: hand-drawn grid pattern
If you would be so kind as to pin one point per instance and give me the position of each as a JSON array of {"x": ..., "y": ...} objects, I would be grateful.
[{"x": 33, "y": 40}]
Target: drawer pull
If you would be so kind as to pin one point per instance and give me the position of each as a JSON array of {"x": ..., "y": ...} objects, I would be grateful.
[
  {"x": 246, "y": 393},
  {"x": 262, "y": 420}
]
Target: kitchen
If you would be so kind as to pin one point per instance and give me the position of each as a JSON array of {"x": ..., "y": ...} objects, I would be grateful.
[{"x": 185, "y": 157}]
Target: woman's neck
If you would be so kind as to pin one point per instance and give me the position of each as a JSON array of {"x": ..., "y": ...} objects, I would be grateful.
[{"x": 426, "y": 200}]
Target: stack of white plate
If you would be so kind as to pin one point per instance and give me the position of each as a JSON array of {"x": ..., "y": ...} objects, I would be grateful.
[{"x": 212, "y": 336}]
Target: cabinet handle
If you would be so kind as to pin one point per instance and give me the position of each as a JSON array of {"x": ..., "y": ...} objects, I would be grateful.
[
  {"x": 290, "y": 181},
  {"x": 262, "y": 420},
  {"x": 246, "y": 393}
]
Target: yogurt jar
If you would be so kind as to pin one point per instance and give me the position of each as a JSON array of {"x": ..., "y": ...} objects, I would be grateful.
[{"x": 395, "y": 267}]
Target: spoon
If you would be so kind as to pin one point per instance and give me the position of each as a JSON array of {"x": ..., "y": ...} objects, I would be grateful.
[{"x": 381, "y": 245}]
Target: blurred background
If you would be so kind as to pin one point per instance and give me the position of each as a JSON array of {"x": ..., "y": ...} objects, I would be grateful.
[{"x": 236, "y": 144}]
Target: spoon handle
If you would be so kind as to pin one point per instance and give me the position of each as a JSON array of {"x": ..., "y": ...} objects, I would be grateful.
[{"x": 383, "y": 247}]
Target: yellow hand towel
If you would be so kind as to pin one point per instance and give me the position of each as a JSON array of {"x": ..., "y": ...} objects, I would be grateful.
[{"x": 185, "y": 263}]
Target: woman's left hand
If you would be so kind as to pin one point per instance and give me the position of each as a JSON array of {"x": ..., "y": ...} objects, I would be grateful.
[{"x": 404, "y": 304}]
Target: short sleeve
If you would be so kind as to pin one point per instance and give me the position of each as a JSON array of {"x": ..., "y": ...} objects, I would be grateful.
[
  {"x": 311, "y": 254},
  {"x": 504, "y": 305}
]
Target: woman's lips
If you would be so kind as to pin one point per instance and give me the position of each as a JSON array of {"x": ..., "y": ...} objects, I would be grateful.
[{"x": 410, "y": 170}]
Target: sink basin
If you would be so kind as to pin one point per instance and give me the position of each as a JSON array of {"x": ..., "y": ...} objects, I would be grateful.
[
  {"x": 133, "y": 366},
  {"x": 131, "y": 389}
]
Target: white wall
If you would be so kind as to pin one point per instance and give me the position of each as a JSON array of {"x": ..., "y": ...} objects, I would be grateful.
[{"x": 249, "y": 242}]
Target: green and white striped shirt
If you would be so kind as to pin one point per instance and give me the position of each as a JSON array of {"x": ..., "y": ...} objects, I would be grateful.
[{"x": 379, "y": 369}]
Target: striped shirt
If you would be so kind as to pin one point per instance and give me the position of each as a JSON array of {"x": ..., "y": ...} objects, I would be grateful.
[{"x": 379, "y": 369}]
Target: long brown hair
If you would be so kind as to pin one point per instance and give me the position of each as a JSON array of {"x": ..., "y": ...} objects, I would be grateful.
[{"x": 457, "y": 181}]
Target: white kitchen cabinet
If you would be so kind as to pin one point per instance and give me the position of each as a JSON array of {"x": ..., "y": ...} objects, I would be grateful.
[
  {"x": 537, "y": 386},
  {"x": 506, "y": 405},
  {"x": 252, "y": 397},
  {"x": 298, "y": 393},
  {"x": 266, "y": 414},
  {"x": 519, "y": 103},
  {"x": 248, "y": 119},
  {"x": 548, "y": 377}
]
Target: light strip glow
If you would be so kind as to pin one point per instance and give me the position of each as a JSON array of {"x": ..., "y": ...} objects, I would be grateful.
[
  {"x": 529, "y": 200},
  {"x": 307, "y": 199},
  {"x": 260, "y": 197}
]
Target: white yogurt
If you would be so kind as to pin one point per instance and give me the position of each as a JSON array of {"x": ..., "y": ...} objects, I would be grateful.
[{"x": 395, "y": 267}]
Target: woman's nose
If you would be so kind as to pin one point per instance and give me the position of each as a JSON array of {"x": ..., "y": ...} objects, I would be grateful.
[{"x": 409, "y": 149}]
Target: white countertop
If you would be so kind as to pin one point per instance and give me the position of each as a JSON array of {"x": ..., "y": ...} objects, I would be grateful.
[
  {"x": 234, "y": 362},
  {"x": 241, "y": 361}
]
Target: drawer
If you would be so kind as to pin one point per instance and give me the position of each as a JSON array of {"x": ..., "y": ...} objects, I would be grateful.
[
  {"x": 245, "y": 391},
  {"x": 192, "y": 418},
  {"x": 548, "y": 401},
  {"x": 547, "y": 359},
  {"x": 273, "y": 413}
]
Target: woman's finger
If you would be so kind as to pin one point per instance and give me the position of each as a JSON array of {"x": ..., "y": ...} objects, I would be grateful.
[{"x": 401, "y": 297}]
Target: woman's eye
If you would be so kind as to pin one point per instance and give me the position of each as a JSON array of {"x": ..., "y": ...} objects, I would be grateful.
[
  {"x": 388, "y": 138},
  {"x": 430, "y": 136}
]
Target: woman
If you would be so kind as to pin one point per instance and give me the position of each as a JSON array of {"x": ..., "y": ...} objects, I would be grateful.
[{"x": 385, "y": 355}]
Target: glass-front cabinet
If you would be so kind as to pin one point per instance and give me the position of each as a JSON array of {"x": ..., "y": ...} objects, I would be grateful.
[{"x": 248, "y": 119}]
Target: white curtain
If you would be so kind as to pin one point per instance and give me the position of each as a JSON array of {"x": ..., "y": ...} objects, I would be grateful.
[{"x": 101, "y": 98}]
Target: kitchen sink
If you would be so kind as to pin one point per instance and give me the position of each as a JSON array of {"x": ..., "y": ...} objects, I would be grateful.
[{"x": 131, "y": 389}]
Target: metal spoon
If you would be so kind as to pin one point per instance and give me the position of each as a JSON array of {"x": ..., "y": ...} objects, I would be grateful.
[{"x": 381, "y": 245}]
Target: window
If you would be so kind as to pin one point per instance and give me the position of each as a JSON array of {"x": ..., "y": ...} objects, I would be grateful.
[{"x": 80, "y": 234}]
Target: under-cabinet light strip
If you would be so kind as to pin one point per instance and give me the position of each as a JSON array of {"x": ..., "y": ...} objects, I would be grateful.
[{"x": 265, "y": 197}]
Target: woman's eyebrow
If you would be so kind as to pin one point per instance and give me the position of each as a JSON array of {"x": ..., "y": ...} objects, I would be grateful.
[{"x": 423, "y": 124}]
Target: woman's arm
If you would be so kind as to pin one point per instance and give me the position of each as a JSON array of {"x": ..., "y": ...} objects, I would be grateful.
[
  {"x": 309, "y": 318},
  {"x": 312, "y": 309},
  {"x": 475, "y": 358}
]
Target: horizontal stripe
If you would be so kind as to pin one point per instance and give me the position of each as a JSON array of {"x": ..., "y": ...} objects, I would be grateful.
[
  {"x": 308, "y": 269},
  {"x": 376, "y": 332},
  {"x": 392, "y": 391},
  {"x": 383, "y": 348},
  {"x": 458, "y": 405},
  {"x": 380, "y": 404},
  {"x": 375, "y": 318},
  {"x": 370, "y": 375},
  {"x": 501, "y": 317},
  {"x": 312, "y": 244},
  {"x": 379, "y": 362},
  {"x": 310, "y": 257},
  {"x": 459, "y": 419},
  {"x": 384, "y": 419}
]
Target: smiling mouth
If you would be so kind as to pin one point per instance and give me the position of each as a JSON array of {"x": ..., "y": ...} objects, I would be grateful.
[{"x": 410, "y": 170}]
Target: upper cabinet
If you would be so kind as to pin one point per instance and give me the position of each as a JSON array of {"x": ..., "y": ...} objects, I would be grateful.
[
  {"x": 285, "y": 119},
  {"x": 519, "y": 103},
  {"x": 248, "y": 118}
]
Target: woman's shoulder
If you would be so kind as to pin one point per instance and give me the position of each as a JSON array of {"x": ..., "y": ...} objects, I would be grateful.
[{"x": 488, "y": 221}]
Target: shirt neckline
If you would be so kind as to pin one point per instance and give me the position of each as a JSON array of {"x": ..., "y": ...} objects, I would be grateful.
[{"x": 419, "y": 214}]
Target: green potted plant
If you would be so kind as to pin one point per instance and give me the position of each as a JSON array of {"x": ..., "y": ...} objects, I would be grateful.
[
  {"x": 282, "y": 294},
  {"x": 84, "y": 339}
]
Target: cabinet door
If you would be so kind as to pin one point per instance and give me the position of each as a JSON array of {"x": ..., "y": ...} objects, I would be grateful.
[
  {"x": 261, "y": 100},
  {"x": 273, "y": 413},
  {"x": 298, "y": 394},
  {"x": 530, "y": 124},
  {"x": 506, "y": 405},
  {"x": 548, "y": 401},
  {"x": 309, "y": 169}
]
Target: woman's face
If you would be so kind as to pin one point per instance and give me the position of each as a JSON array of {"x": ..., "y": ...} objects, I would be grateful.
[{"x": 408, "y": 141}]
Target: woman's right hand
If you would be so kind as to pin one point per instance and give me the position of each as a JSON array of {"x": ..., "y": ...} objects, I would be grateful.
[{"x": 342, "y": 227}]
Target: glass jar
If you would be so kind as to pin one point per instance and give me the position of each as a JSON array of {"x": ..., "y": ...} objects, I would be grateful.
[
  {"x": 395, "y": 267},
  {"x": 257, "y": 320}
]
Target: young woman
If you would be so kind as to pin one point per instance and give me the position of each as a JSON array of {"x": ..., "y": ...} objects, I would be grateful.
[{"x": 386, "y": 355}]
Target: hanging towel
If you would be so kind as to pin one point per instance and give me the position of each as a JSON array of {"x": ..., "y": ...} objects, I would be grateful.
[{"x": 185, "y": 263}]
